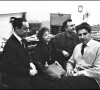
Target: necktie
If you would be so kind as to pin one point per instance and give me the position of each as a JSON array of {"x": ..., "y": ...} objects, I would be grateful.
[
  {"x": 24, "y": 44},
  {"x": 82, "y": 50}
]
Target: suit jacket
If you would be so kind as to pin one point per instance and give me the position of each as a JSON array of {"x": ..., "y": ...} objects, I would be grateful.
[{"x": 16, "y": 61}]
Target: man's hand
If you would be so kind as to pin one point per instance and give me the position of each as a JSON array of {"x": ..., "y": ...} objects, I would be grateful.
[
  {"x": 70, "y": 72},
  {"x": 32, "y": 66},
  {"x": 57, "y": 63},
  {"x": 46, "y": 64},
  {"x": 65, "y": 53},
  {"x": 33, "y": 70},
  {"x": 78, "y": 74}
]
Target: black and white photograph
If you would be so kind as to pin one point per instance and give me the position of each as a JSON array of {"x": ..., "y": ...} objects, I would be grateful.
[{"x": 49, "y": 44}]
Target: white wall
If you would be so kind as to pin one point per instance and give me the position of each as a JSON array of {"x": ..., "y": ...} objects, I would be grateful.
[
  {"x": 40, "y": 10},
  {"x": 7, "y": 7}
]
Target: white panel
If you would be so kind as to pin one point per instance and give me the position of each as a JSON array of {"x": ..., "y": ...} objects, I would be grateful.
[{"x": 58, "y": 19}]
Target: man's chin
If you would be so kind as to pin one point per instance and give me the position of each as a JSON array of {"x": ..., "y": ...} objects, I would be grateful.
[
  {"x": 81, "y": 41},
  {"x": 84, "y": 42}
]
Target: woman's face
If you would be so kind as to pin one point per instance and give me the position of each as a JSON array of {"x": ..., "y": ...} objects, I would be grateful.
[{"x": 46, "y": 36}]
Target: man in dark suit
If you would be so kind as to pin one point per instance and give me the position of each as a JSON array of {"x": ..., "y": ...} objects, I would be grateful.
[{"x": 17, "y": 62}]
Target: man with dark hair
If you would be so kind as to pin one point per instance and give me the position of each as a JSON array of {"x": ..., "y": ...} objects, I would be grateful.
[
  {"x": 64, "y": 24},
  {"x": 83, "y": 68},
  {"x": 16, "y": 59},
  {"x": 66, "y": 41}
]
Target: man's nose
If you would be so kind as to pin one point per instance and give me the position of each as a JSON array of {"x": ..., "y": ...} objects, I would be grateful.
[
  {"x": 82, "y": 36},
  {"x": 28, "y": 30},
  {"x": 74, "y": 26}
]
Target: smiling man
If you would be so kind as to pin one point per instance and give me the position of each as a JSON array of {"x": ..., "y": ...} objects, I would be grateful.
[
  {"x": 83, "y": 70},
  {"x": 66, "y": 41}
]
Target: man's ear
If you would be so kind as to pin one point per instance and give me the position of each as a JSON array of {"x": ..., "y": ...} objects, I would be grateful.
[
  {"x": 90, "y": 32},
  {"x": 16, "y": 28}
]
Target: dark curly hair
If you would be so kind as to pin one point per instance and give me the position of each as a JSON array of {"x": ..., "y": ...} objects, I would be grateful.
[
  {"x": 41, "y": 32},
  {"x": 83, "y": 25},
  {"x": 65, "y": 24}
]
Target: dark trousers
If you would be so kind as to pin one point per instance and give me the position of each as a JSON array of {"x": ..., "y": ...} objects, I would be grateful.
[
  {"x": 18, "y": 82},
  {"x": 76, "y": 82},
  {"x": 62, "y": 60},
  {"x": 41, "y": 82}
]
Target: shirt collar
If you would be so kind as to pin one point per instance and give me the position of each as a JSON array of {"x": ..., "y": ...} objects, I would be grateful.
[
  {"x": 19, "y": 39},
  {"x": 90, "y": 42}
]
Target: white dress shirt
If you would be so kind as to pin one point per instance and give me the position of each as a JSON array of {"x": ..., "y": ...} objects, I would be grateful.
[
  {"x": 19, "y": 39},
  {"x": 87, "y": 64}
]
